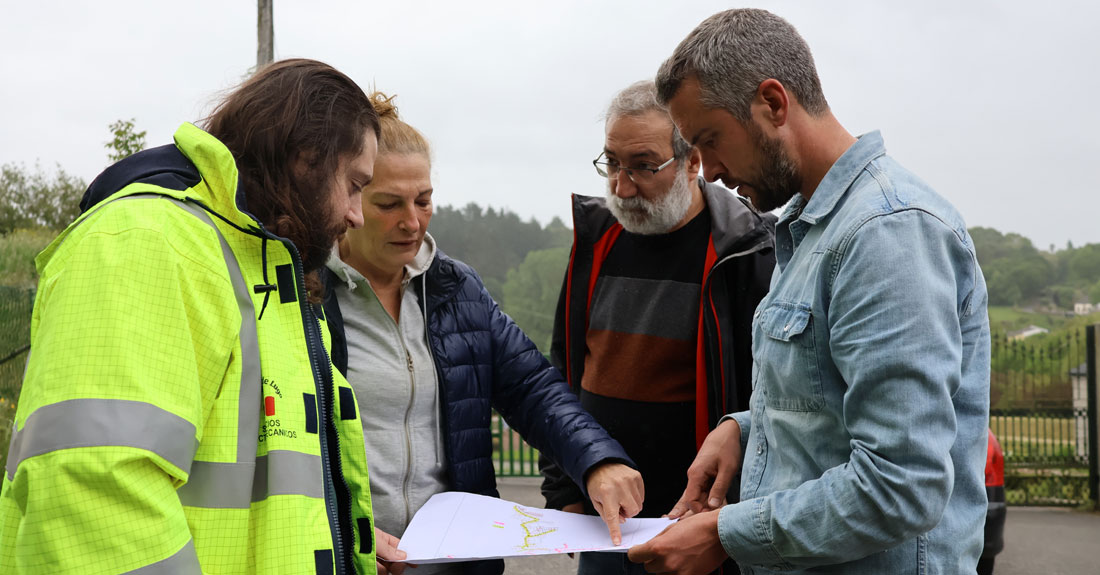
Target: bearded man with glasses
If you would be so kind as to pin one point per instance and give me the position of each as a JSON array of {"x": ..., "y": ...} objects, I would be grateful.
[{"x": 652, "y": 325}]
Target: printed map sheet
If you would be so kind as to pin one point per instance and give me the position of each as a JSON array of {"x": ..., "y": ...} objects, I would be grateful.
[{"x": 457, "y": 526}]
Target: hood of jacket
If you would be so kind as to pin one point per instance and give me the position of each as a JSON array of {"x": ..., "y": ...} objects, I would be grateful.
[
  {"x": 414, "y": 269},
  {"x": 193, "y": 167}
]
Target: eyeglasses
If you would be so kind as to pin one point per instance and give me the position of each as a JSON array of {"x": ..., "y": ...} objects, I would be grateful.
[{"x": 638, "y": 174}]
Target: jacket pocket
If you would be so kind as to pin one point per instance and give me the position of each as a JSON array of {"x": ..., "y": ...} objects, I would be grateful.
[{"x": 786, "y": 356}]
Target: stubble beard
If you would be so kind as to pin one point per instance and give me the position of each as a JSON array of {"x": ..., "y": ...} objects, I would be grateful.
[{"x": 779, "y": 179}]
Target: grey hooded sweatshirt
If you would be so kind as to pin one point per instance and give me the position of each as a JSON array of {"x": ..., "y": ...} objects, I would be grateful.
[{"x": 393, "y": 374}]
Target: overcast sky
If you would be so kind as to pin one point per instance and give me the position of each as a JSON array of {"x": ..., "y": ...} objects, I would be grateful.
[{"x": 992, "y": 102}]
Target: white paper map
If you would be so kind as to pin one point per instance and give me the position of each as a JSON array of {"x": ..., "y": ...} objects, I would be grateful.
[{"x": 456, "y": 526}]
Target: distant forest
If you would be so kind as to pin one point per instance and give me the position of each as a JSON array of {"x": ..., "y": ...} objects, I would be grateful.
[
  {"x": 1019, "y": 274},
  {"x": 521, "y": 262}
]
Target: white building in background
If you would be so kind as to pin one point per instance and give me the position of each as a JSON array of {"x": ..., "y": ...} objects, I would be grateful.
[
  {"x": 1026, "y": 332},
  {"x": 1084, "y": 308}
]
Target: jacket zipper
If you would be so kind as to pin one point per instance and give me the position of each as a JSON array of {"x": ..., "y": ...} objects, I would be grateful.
[
  {"x": 408, "y": 436},
  {"x": 707, "y": 325},
  {"x": 324, "y": 392},
  {"x": 407, "y": 476},
  {"x": 323, "y": 387},
  {"x": 751, "y": 250}
]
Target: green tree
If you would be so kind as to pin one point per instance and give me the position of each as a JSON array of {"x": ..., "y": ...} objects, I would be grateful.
[
  {"x": 37, "y": 198},
  {"x": 14, "y": 198},
  {"x": 1015, "y": 271},
  {"x": 1083, "y": 265},
  {"x": 1064, "y": 296},
  {"x": 559, "y": 236},
  {"x": 992, "y": 245},
  {"x": 492, "y": 240},
  {"x": 124, "y": 140},
  {"x": 1094, "y": 293},
  {"x": 531, "y": 293},
  {"x": 1002, "y": 290},
  {"x": 1022, "y": 278}
]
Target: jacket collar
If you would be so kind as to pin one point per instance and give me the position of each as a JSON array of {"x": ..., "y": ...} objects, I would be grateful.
[
  {"x": 351, "y": 276},
  {"x": 219, "y": 171},
  {"x": 735, "y": 225},
  {"x": 197, "y": 167},
  {"x": 837, "y": 180}
]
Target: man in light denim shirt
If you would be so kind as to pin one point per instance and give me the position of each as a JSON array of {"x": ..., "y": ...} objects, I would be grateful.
[{"x": 864, "y": 448}]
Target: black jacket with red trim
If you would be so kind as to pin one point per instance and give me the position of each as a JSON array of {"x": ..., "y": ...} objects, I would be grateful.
[{"x": 739, "y": 264}]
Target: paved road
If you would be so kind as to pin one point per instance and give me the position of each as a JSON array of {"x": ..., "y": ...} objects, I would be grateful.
[{"x": 1047, "y": 540}]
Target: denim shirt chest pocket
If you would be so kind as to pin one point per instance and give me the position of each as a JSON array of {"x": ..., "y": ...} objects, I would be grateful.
[{"x": 785, "y": 352}]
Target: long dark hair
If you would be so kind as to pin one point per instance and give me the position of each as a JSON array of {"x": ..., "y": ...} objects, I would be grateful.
[{"x": 289, "y": 113}]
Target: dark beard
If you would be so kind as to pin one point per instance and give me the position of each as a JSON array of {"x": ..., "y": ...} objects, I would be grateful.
[
  {"x": 778, "y": 180},
  {"x": 313, "y": 233},
  {"x": 321, "y": 234}
]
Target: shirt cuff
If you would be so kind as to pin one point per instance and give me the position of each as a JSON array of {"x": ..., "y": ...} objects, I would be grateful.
[
  {"x": 744, "y": 421},
  {"x": 743, "y": 531}
]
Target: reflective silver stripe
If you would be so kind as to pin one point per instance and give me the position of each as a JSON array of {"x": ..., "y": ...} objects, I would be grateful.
[
  {"x": 218, "y": 485},
  {"x": 104, "y": 423},
  {"x": 248, "y": 404},
  {"x": 22, "y": 447},
  {"x": 182, "y": 562},
  {"x": 238, "y": 485},
  {"x": 287, "y": 473}
]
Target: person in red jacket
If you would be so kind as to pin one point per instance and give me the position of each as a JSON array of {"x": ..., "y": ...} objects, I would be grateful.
[{"x": 995, "y": 517}]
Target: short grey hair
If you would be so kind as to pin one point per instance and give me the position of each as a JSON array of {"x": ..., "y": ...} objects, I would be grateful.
[
  {"x": 639, "y": 99},
  {"x": 733, "y": 52}
]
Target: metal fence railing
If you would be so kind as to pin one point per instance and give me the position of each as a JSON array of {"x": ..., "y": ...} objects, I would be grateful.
[
  {"x": 1038, "y": 411},
  {"x": 512, "y": 457},
  {"x": 15, "y": 338}
]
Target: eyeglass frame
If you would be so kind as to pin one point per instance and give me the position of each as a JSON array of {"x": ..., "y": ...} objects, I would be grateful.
[{"x": 629, "y": 171}]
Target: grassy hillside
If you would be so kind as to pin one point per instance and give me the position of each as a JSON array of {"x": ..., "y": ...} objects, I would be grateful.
[{"x": 1003, "y": 319}]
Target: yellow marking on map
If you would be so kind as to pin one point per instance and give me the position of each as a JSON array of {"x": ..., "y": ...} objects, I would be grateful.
[{"x": 529, "y": 535}]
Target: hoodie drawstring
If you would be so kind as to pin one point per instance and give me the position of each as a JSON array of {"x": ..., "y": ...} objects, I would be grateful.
[{"x": 267, "y": 287}]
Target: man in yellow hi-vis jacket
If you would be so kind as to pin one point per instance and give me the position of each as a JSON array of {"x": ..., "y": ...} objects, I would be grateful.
[{"x": 179, "y": 412}]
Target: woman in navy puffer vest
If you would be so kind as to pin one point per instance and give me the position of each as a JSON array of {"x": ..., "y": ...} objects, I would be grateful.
[{"x": 430, "y": 354}]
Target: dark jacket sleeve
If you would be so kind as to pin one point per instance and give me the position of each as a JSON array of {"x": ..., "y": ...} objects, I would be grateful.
[
  {"x": 536, "y": 401},
  {"x": 558, "y": 489}
]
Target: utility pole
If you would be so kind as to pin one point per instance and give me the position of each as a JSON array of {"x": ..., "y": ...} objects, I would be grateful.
[{"x": 265, "y": 34}]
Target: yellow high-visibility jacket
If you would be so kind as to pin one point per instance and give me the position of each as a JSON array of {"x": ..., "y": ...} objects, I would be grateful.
[{"x": 179, "y": 412}]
